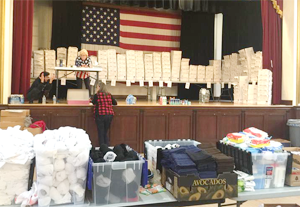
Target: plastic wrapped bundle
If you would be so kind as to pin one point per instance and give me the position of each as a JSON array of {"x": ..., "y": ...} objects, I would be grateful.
[
  {"x": 62, "y": 158},
  {"x": 16, "y": 149}
]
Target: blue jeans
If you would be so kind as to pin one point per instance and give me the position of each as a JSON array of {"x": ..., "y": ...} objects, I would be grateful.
[{"x": 103, "y": 123}]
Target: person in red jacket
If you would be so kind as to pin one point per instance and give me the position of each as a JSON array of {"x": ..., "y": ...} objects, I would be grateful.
[{"x": 103, "y": 110}]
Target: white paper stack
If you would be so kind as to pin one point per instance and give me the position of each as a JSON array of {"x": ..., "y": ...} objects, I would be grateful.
[
  {"x": 252, "y": 93},
  {"x": 112, "y": 64},
  {"x": 139, "y": 64},
  {"x": 217, "y": 64},
  {"x": 184, "y": 70},
  {"x": 102, "y": 61},
  {"x": 256, "y": 65},
  {"x": 176, "y": 62},
  {"x": 234, "y": 70},
  {"x": 209, "y": 74},
  {"x": 121, "y": 59},
  {"x": 201, "y": 74},
  {"x": 265, "y": 82},
  {"x": 61, "y": 53},
  {"x": 241, "y": 90},
  {"x": 193, "y": 73},
  {"x": 245, "y": 58},
  {"x": 50, "y": 61},
  {"x": 226, "y": 70},
  {"x": 38, "y": 62},
  {"x": 157, "y": 66},
  {"x": 72, "y": 55},
  {"x": 166, "y": 66},
  {"x": 148, "y": 66},
  {"x": 131, "y": 67},
  {"x": 94, "y": 60}
]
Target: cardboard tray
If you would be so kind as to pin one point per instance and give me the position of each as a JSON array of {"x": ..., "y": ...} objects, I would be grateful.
[{"x": 193, "y": 188}]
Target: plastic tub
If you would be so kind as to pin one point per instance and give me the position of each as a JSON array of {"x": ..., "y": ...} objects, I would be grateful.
[
  {"x": 294, "y": 125},
  {"x": 151, "y": 150},
  {"x": 116, "y": 182},
  {"x": 269, "y": 169}
]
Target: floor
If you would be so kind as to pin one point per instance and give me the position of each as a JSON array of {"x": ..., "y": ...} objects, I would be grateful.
[{"x": 257, "y": 203}]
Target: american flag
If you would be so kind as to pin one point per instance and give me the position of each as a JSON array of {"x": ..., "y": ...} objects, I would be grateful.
[{"x": 104, "y": 28}]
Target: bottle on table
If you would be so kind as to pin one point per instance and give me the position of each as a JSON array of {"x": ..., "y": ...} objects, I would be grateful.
[
  {"x": 54, "y": 99},
  {"x": 44, "y": 100}
]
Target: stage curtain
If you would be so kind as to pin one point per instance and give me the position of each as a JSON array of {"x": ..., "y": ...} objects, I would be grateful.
[
  {"x": 272, "y": 45},
  {"x": 196, "y": 43},
  {"x": 22, "y": 45},
  {"x": 66, "y": 24},
  {"x": 242, "y": 26},
  {"x": 2, "y": 27}
]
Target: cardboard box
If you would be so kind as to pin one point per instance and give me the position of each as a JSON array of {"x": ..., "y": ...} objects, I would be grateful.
[
  {"x": 15, "y": 113},
  {"x": 12, "y": 119},
  {"x": 293, "y": 167},
  {"x": 34, "y": 131},
  {"x": 5, "y": 125},
  {"x": 284, "y": 142},
  {"x": 193, "y": 188}
]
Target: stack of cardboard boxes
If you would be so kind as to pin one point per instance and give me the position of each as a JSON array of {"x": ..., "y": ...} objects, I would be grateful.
[
  {"x": 12, "y": 118},
  {"x": 292, "y": 177}
]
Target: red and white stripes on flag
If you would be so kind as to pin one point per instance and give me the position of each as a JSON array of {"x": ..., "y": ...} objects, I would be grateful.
[
  {"x": 146, "y": 31},
  {"x": 149, "y": 31}
]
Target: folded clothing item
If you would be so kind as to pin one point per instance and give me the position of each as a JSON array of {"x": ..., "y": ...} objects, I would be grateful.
[{"x": 207, "y": 174}]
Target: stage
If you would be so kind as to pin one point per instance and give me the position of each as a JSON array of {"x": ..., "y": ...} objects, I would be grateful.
[{"x": 133, "y": 124}]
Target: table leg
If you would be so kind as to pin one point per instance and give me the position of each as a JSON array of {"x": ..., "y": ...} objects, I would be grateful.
[
  {"x": 238, "y": 204},
  {"x": 57, "y": 79},
  {"x": 219, "y": 204}
]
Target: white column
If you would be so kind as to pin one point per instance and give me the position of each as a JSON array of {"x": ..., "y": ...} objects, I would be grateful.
[
  {"x": 218, "y": 48},
  {"x": 289, "y": 51},
  {"x": 8, "y": 50}
]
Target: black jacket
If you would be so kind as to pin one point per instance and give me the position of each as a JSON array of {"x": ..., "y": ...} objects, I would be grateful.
[{"x": 46, "y": 86}]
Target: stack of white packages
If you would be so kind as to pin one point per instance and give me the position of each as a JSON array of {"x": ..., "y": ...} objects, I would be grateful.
[
  {"x": 72, "y": 55},
  {"x": 193, "y": 73},
  {"x": 38, "y": 62},
  {"x": 234, "y": 67},
  {"x": 209, "y": 74},
  {"x": 94, "y": 60},
  {"x": 157, "y": 66},
  {"x": 252, "y": 93},
  {"x": 139, "y": 64},
  {"x": 265, "y": 82},
  {"x": 166, "y": 66},
  {"x": 217, "y": 64},
  {"x": 241, "y": 90},
  {"x": 175, "y": 62},
  {"x": 112, "y": 64},
  {"x": 62, "y": 54},
  {"x": 185, "y": 70},
  {"x": 121, "y": 59},
  {"x": 148, "y": 66},
  {"x": 16, "y": 153},
  {"x": 256, "y": 65},
  {"x": 102, "y": 61},
  {"x": 245, "y": 58},
  {"x": 62, "y": 159},
  {"x": 201, "y": 74},
  {"x": 131, "y": 67},
  {"x": 50, "y": 61},
  {"x": 226, "y": 70}
]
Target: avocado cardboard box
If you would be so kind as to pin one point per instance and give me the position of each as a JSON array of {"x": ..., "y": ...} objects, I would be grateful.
[
  {"x": 193, "y": 188},
  {"x": 284, "y": 142},
  {"x": 292, "y": 177},
  {"x": 15, "y": 113}
]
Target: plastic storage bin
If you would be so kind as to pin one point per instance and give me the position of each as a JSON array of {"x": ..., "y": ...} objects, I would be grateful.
[
  {"x": 152, "y": 154},
  {"x": 117, "y": 182},
  {"x": 269, "y": 169},
  {"x": 14, "y": 180},
  {"x": 294, "y": 125}
]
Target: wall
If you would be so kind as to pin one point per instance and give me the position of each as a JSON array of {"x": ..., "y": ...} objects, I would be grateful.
[{"x": 289, "y": 50}]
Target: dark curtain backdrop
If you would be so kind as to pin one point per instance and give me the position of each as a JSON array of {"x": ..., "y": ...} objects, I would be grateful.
[
  {"x": 66, "y": 24},
  {"x": 242, "y": 26},
  {"x": 272, "y": 45},
  {"x": 22, "y": 46},
  {"x": 185, "y": 5},
  {"x": 196, "y": 43}
]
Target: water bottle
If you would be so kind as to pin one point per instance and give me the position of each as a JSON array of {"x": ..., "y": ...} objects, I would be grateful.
[
  {"x": 54, "y": 99},
  {"x": 22, "y": 99},
  {"x": 44, "y": 100}
]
